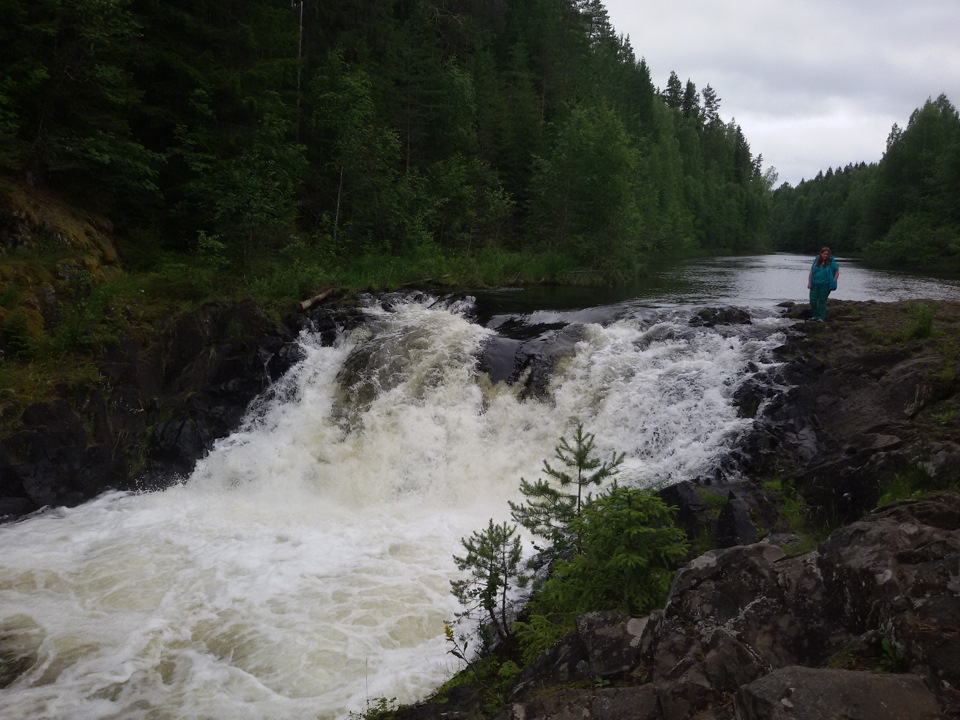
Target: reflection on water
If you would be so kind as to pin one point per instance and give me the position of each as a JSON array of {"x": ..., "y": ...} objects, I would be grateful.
[
  {"x": 765, "y": 279},
  {"x": 752, "y": 280}
]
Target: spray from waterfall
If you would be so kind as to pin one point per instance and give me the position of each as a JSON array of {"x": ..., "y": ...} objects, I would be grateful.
[{"x": 304, "y": 567}]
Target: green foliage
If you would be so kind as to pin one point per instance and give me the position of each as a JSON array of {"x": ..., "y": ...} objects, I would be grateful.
[
  {"x": 629, "y": 546},
  {"x": 380, "y": 708},
  {"x": 893, "y": 657},
  {"x": 615, "y": 551},
  {"x": 583, "y": 193},
  {"x": 552, "y": 504},
  {"x": 541, "y": 629},
  {"x": 15, "y": 340},
  {"x": 10, "y": 297},
  {"x": 256, "y": 190},
  {"x": 491, "y": 674},
  {"x": 68, "y": 92},
  {"x": 492, "y": 562},
  {"x": 912, "y": 483},
  {"x": 212, "y": 251},
  {"x": 923, "y": 316},
  {"x": 797, "y": 516},
  {"x": 899, "y": 487},
  {"x": 629, "y": 549},
  {"x": 393, "y": 131}
]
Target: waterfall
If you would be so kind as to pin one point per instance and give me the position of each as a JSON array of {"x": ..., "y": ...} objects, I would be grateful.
[{"x": 304, "y": 567}]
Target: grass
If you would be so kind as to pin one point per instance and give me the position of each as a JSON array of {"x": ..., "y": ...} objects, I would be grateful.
[
  {"x": 377, "y": 709},
  {"x": 797, "y": 516},
  {"x": 25, "y": 383},
  {"x": 914, "y": 483},
  {"x": 922, "y": 325}
]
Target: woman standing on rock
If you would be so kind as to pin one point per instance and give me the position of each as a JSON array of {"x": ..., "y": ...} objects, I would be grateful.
[{"x": 821, "y": 280}]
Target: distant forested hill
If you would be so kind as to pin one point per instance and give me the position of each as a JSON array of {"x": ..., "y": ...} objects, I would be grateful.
[{"x": 904, "y": 210}]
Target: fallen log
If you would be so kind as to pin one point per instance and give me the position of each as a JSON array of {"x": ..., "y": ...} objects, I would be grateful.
[{"x": 318, "y": 298}]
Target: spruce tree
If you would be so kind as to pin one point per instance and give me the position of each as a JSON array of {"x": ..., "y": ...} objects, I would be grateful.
[{"x": 552, "y": 504}]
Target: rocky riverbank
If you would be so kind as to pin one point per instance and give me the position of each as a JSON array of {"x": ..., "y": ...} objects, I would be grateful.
[
  {"x": 866, "y": 624},
  {"x": 157, "y": 408}
]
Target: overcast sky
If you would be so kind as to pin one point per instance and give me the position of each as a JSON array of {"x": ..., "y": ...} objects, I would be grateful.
[{"x": 812, "y": 83}]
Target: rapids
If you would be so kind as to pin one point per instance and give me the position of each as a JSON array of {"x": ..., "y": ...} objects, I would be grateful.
[{"x": 303, "y": 569}]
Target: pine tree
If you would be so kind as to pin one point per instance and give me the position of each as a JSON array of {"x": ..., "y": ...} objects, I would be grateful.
[
  {"x": 673, "y": 95},
  {"x": 493, "y": 563},
  {"x": 552, "y": 504}
]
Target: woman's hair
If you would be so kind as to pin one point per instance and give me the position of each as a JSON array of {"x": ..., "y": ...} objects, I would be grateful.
[{"x": 820, "y": 261}]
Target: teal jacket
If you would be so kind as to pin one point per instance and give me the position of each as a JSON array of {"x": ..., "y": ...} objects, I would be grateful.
[{"x": 823, "y": 274}]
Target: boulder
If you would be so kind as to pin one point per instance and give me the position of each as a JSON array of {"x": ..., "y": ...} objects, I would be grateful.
[
  {"x": 604, "y": 645},
  {"x": 735, "y": 524},
  {"x": 800, "y": 693},
  {"x": 751, "y": 622},
  {"x": 712, "y": 316},
  {"x": 896, "y": 572},
  {"x": 218, "y": 359},
  {"x": 628, "y": 703}
]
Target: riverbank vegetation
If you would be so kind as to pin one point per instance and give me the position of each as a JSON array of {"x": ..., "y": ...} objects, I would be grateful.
[
  {"x": 290, "y": 141},
  {"x": 616, "y": 550},
  {"x": 902, "y": 212}
]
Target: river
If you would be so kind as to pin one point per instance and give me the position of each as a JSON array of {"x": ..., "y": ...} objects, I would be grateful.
[{"x": 303, "y": 568}]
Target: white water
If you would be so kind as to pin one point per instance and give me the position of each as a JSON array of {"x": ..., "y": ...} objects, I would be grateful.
[{"x": 304, "y": 568}]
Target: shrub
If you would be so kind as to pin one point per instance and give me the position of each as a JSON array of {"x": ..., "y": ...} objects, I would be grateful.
[{"x": 15, "y": 340}]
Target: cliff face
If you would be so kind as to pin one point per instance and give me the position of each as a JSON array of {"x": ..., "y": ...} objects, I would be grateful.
[
  {"x": 157, "y": 408},
  {"x": 154, "y": 392}
]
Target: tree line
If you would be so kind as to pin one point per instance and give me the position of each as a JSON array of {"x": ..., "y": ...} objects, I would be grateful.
[
  {"x": 252, "y": 129},
  {"x": 902, "y": 211}
]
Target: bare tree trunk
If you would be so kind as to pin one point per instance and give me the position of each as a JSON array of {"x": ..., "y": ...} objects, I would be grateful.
[{"x": 336, "y": 215}]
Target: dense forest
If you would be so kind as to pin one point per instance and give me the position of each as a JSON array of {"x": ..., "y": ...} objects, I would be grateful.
[
  {"x": 291, "y": 145},
  {"x": 902, "y": 211},
  {"x": 312, "y": 134}
]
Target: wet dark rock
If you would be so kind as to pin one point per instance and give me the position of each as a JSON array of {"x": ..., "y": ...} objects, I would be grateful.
[
  {"x": 605, "y": 645},
  {"x": 866, "y": 403},
  {"x": 751, "y": 394},
  {"x": 529, "y": 361},
  {"x": 463, "y": 703},
  {"x": 751, "y": 632},
  {"x": 160, "y": 409},
  {"x": 693, "y": 509},
  {"x": 218, "y": 359},
  {"x": 329, "y": 321},
  {"x": 817, "y": 694},
  {"x": 735, "y": 524},
  {"x": 725, "y": 514},
  {"x": 627, "y": 703},
  {"x": 711, "y": 317}
]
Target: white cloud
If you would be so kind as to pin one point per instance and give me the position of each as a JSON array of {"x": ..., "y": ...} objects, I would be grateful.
[{"x": 813, "y": 83}]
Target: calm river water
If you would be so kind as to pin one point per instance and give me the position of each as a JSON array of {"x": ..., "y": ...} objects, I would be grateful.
[{"x": 749, "y": 281}]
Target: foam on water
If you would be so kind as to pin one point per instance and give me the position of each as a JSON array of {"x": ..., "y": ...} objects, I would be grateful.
[{"x": 304, "y": 567}]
